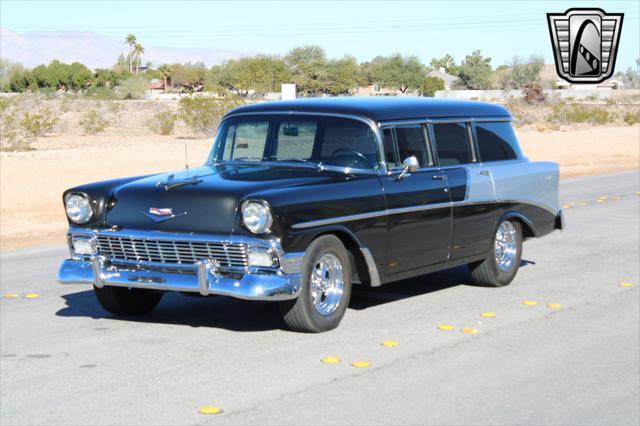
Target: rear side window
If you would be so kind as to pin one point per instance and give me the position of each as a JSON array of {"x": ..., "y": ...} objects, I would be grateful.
[
  {"x": 452, "y": 142},
  {"x": 497, "y": 141}
]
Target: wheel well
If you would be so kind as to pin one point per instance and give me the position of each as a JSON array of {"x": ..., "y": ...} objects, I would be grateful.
[
  {"x": 358, "y": 263},
  {"x": 527, "y": 231}
]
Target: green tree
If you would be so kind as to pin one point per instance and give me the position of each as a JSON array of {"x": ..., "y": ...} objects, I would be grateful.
[
  {"x": 520, "y": 73},
  {"x": 308, "y": 68},
  {"x": 166, "y": 71},
  {"x": 475, "y": 72},
  {"x": 397, "y": 72},
  {"x": 343, "y": 75},
  {"x": 131, "y": 40},
  {"x": 9, "y": 70},
  {"x": 447, "y": 62},
  {"x": 138, "y": 50},
  {"x": 431, "y": 85},
  {"x": 261, "y": 73}
]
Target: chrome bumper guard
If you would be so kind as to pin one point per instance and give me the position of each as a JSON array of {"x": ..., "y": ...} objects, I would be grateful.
[{"x": 205, "y": 277}]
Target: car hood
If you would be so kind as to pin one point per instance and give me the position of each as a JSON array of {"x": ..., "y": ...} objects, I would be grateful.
[{"x": 204, "y": 199}]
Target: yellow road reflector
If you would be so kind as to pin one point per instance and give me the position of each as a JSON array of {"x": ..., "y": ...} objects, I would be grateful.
[
  {"x": 617, "y": 197},
  {"x": 469, "y": 330},
  {"x": 582, "y": 204},
  {"x": 530, "y": 303},
  {"x": 625, "y": 284},
  {"x": 390, "y": 343},
  {"x": 330, "y": 360},
  {"x": 360, "y": 364},
  {"x": 209, "y": 409},
  {"x": 602, "y": 198},
  {"x": 11, "y": 295},
  {"x": 446, "y": 327},
  {"x": 554, "y": 305},
  {"x": 31, "y": 296},
  {"x": 600, "y": 201},
  {"x": 566, "y": 206},
  {"x": 488, "y": 314}
]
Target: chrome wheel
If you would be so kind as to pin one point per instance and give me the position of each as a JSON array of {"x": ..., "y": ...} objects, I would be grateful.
[
  {"x": 326, "y": 284},
  {"x": 505, "y": 246}
]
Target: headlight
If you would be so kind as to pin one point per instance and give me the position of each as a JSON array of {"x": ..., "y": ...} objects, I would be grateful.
[
  {"x": 78, "y": 208},
  {"x": 256, "y": 216}
]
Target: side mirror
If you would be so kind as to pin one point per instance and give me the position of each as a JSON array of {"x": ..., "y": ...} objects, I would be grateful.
[{"x": 409, "y": 165}]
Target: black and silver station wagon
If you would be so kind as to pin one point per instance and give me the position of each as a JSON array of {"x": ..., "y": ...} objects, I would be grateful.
[{"x": 299, "y": 200}]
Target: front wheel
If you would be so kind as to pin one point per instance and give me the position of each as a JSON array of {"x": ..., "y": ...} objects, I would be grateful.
[
  {"x": 127, "y": 301},
  {"x": 325, "y": 288},
  {"x": 502, "y": 263}
]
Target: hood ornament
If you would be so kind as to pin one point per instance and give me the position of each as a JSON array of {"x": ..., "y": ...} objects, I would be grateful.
[
  {"x": 170, "y": 183},
  {"x": 161, "y": 214}
]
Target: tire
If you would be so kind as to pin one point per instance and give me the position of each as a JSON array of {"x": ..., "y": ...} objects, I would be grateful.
[
  {"x": 492, "y": 273},
  {"x": 302, "y": 314},
  {"x": 127, "y": 301}
]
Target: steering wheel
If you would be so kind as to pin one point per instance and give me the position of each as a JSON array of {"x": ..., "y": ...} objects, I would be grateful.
[{"x": 354, "y": 153}]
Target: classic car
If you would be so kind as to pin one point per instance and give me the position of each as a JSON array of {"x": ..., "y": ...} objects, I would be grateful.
[{"x": 299, "y": 200}]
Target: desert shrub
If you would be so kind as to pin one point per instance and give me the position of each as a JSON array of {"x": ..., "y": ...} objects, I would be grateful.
[
  {"x": 163, "y": 122},
  {"x": 93, "y": 123},
  {"x": 202, "y": 114},
  {"x": 115, "y": 108},
  {"x": 12, "y": 137},
  {"x": 632, "y": 118},
  {"x": 533, "y": 93},
  {"x": 132, "y": 88},
  {"x": 4, "y": 103},
  {"x": 38, "y": 124},
  {"x": 579, "y": 114}
]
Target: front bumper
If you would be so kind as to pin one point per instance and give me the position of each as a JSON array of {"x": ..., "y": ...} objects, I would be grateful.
[
  {"x": 249, "y": 286},
  {"x": 205, "y": 276}
]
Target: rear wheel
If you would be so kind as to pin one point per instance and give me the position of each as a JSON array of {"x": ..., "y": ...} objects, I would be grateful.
[
  {"x": 502, "y": 263},
  {"x": 127, "y": 301},
  {"x": 325, "y": 288}
]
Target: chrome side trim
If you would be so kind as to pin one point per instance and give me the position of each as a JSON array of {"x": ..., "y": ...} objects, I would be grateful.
[
  {"x": 412, "y": 209},
  {"x": 374, "y": 276},
  {"x": 446, "y": 120},
  {"x": 369, "y": 122},
  {"x": 369, "y": 215}
]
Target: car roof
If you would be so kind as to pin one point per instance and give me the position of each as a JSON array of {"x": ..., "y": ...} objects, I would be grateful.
[{"x": 379, "y": 108}]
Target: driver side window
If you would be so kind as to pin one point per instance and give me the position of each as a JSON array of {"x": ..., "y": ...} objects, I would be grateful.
[{"x": 402, "y": 142}]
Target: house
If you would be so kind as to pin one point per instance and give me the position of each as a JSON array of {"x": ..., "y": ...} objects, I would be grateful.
[
  {"x": 375, "y": 89},
  {"x": 441, "y": 73},
  {"x": 155, "y": 85}
]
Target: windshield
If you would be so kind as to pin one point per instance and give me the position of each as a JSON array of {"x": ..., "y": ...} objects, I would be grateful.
[{"x": 290, "y": 138}]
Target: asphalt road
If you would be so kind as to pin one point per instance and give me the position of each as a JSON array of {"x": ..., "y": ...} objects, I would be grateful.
[{"x": 66, "y": 361}]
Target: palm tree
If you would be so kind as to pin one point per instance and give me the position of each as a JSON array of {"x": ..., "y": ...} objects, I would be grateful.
[
  {"x": 138, "y": 50},
  {"x": 131, "y": 40},
  {"x": 166, "y": 71}
]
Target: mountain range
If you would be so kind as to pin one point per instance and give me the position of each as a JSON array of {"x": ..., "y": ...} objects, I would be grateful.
[{"x": 95, "y": 50}]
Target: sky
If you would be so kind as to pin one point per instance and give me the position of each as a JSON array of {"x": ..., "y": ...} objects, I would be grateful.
[{"x": 364, "y": 29}]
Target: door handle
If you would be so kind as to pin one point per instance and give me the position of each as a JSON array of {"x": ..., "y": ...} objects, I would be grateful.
[
  {"x": 438, "y": 177},
  {"x": 484, "y": 172}
]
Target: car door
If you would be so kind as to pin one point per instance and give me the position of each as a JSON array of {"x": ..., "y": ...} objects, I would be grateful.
[
  {"x": 419, "y": 220},
  {"x": 471, "y": 186}
]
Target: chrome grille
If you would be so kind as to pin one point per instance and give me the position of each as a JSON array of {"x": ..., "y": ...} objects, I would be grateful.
[{"x": 171, "y": 251}]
